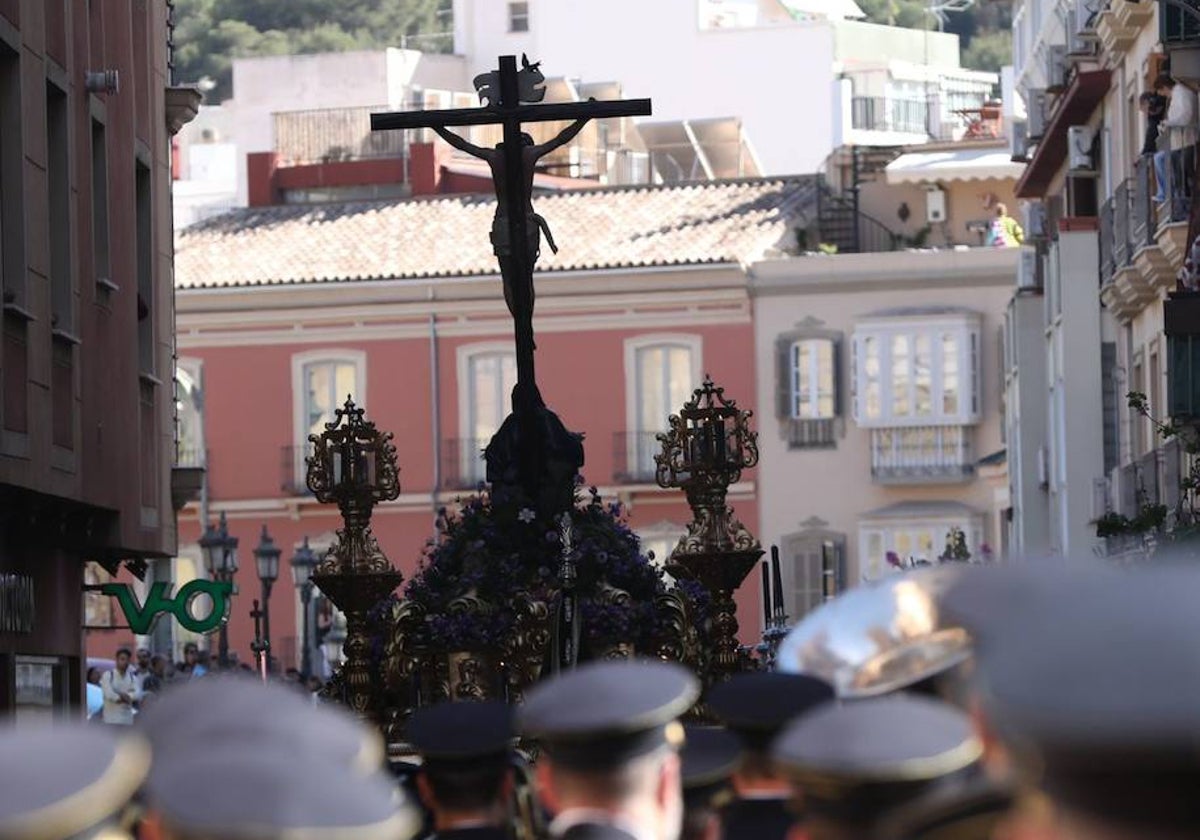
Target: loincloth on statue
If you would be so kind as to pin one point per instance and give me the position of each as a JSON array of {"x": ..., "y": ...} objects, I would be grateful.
[{"x": 535, "y": 227}]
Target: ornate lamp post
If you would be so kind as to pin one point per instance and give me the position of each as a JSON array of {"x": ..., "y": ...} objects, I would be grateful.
[
  {"x": 303, "y": 562},
  {"x": 220, "y": 556},
  {"x": 266, "y": 559},
  {"x": 707, "y": 447},
  {"x": 353, "y": 465}
]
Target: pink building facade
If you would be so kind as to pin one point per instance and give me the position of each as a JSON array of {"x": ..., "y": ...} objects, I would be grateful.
[{"x": 284, "y": 311}]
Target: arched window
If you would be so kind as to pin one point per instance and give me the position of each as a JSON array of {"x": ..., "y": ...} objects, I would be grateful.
[
  {"x": 487, "y": 374},
  {"x": 321, "y": 382},
  {"x": 189, "y": 414},
  {"x": 660, "y": 374}
]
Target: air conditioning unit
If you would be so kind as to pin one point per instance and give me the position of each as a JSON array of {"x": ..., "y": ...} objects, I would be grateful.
[
  {"x": 1037, "y": 113},
  {"x": 1033, "y": 219},
  {"x": 1019, "y": 141},
  {"x": 935, "y": 204},
  {"x": 1079, "y": 147},
  {"x": 1057, "y": 67},
  {"x": 1043, "y": 467},
  {"x": 1027, "y": 270}
]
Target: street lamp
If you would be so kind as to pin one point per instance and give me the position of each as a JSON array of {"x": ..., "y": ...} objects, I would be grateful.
[
  {"x": 266, "y": 559},
  {"x": 220, "y": 557},
  {"x": 303, "y": 563}
]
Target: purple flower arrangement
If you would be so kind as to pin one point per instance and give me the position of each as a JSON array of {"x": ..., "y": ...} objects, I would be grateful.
[{"x": 496, "y": 552}]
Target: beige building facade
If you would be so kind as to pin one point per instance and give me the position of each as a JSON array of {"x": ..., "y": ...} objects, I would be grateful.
[{"x": 879, "y": 396}]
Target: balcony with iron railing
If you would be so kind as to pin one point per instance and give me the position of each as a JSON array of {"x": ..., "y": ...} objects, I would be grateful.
[
  {"x": 971, "y": 116},
  {"x": 293, "y": 470},
  {"x": 633, "y": 457},
  {"x": 462, "y": 466},
  {"x": 1132, "y": 216},
  {"x": 921, "y": 455}
]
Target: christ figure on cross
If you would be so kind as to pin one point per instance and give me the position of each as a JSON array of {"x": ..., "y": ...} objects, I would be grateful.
[{"x": 519, "y": 298}]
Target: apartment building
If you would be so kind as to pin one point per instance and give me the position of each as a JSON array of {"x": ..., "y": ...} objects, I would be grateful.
[
  {"x": 87, "y": 435},
  {"x": 1110, "y": 240}
]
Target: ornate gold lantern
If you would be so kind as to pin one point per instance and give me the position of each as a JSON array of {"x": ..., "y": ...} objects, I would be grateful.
[
  {"x": 353, "y": 465},
  {"x": 707, "y": 447}
]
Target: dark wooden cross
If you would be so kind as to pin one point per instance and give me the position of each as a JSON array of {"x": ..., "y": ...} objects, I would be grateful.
[{"x": 506, "y": 92}]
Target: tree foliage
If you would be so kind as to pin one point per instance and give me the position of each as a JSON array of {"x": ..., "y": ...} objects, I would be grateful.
[
  {"x": 984, "y": 30},
  {"x": 209, "y": 34},
  {"x": 989, "y": 51}
]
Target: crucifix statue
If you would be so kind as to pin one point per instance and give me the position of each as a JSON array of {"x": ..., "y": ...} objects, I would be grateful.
[{"x": 533, "y": 453}]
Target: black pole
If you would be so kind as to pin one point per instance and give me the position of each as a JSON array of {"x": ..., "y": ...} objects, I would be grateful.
[
  {"x": 305, "y": 652},
  {"x": 223, "y": 642},
  {"x": 266, "y": 611}
]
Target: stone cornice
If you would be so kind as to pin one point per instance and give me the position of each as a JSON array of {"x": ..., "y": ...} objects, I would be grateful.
[{"x": 884, "y": 270}]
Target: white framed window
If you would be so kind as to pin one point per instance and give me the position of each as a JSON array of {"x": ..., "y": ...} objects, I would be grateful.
[
  {"x": 917, "y": 373},
  {"x": 812, "y": 379},
  {"x": 518, "y": 17},
  {"x": 805, "y": 557},
  {"x": 189, "y": 413},
  {"x": 913, "y": 539},
  {"x": 661, "y": 372},
  {"x": 661, "y": 539},
  {"x": 487, "y": 374},
  {"x": 321, "y": 382},
  {"x": 807, "y": 383}
]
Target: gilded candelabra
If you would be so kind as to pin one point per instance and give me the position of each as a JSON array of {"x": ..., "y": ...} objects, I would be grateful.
[
  {"x": 707, "y": 446},
  {"x": 353, "y": 465}
]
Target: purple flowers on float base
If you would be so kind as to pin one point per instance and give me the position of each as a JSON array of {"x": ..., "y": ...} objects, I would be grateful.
[{"x": 497, "y": 552}]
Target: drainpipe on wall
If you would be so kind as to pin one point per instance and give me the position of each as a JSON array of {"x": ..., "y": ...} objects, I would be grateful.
[{"x": 435, "y": 411}]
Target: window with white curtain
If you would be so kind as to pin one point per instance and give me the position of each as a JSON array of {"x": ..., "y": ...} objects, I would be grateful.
[
  {"x": 812, "y": 379},
  {"x": 661, "y": 373},
  {"x": 917, "y": 373},
  {"x": 322, "y": 380}
]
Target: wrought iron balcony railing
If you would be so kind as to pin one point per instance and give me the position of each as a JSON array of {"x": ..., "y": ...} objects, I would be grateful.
[
  {"x": 921, "y": 455},
  {"x": 1107, "y": 262},
  {"x": 191, "y": 458},
  {"x": 812, "y": 433},
  {"x": 293, "y": 470},
  {"x": 880, "y": 113},
  {"x": 1180, "y": 173},
  {"x": 462, "y": 466},
  {"x": 633, "y": 457}
]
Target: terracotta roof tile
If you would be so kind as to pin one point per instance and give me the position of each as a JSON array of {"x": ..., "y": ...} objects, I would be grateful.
[{"x": 720, "y": 221}]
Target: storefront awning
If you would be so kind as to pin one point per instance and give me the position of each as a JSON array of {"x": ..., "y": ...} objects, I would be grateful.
[{"x": 966, "y": 164}]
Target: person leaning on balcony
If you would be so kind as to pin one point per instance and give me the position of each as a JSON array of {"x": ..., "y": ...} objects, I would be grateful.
[
  {"x": 1178, "y": 129},
  {"x": 1154, "y": 106},
  {"x": 1004, "y": 231}
]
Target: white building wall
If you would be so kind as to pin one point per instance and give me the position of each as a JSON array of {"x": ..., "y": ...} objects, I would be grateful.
[
  {"x": 1076, "y": 407},
  {"x": 1026, "y": 419},
  {"x": 265, "y": 86},
  {"x": 770, "y": 77}
]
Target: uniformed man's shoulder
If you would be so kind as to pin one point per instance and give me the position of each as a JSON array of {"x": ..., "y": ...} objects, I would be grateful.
[
  {"x": 757, "y": 818},
  {"x": 595, "y": 831}
]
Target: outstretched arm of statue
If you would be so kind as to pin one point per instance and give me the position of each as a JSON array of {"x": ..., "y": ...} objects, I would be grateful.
[
  {"x": 564, "y": 136},
  {"x": 461, "y": 144}
]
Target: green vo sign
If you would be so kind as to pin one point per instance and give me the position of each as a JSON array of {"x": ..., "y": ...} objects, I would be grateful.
[{"x": 141, "y": 617}]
